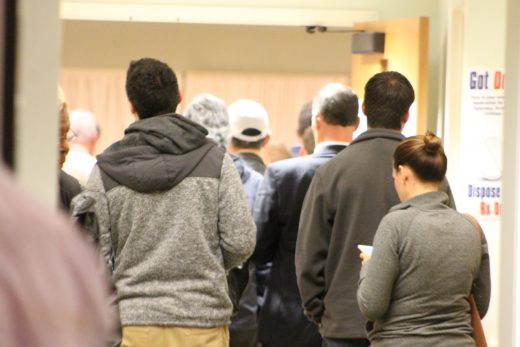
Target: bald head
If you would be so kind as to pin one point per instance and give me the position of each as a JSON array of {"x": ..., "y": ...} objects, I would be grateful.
[{"x": 85, "y": 129}]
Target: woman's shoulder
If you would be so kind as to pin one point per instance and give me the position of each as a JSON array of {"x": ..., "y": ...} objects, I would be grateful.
[
  {"x": 398, "y": 219},
  {"x": 401, "y": 212}
]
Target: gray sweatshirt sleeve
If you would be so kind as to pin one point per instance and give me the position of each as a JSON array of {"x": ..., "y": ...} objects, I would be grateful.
[
  {"x": 236, "y": 227},
  {"x": 379, "y": 273},
  {"x": 90, "y": 207},
  {"x": 482, "y": 285}
]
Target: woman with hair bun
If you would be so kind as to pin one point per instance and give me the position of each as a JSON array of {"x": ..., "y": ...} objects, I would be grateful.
[{"x": 427, "y": 259}]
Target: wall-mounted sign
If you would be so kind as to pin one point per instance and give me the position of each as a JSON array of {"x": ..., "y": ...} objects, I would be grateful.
[{"x": 479, "y": 187}]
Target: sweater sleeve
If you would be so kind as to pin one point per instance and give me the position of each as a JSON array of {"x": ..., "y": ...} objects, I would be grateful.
[
  {"x": 311, "y": 250},
  {"x": 265, "y": 213},
  {"x": 482, "y": 285},
  {"x": 90, "y": 209},
  {"x": 378, "y": 275},
  {"x": 235, "y": 224}
]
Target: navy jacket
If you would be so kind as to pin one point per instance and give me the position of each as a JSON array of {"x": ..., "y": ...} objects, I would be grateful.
[
  {"x": 246, "y": 316},
  {"x": 277, "y": 213}
]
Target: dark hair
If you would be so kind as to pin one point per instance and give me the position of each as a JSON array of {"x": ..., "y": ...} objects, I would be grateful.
[
  {"x": 388, "y": 96},
  {"x": 308, "y": 140},
  {"x": 337, "y": 105},
  {"x": 247, "y": 144},
  {"x": 64, "y": 129},
  {"x": 424, "y": 155},
  {"x": 305, "y": 118},
  {"x": 151, "y": 87}
]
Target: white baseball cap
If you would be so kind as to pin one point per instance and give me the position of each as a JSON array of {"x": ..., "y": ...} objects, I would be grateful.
[{"x": 248, "y": 120}]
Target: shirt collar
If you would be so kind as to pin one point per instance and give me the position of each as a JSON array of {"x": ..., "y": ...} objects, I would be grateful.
[{"x": 324, "y": 144}]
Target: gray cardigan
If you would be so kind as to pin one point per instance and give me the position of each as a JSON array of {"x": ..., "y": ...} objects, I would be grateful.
[{"x": 426, "y": 260}]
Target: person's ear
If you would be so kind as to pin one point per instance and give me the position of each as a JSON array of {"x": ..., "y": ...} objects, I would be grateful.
[
  {"x": 406, "y": 173},
  {"x": 266, "y": 140},
  {"x": 180, "y": 97},
  {"x": 317, "y": 121},
  {"x": 363, "y": 108},
  {"x": 133, "y": 110},
  {"x": 356, "y": 123},
  {"x": 405, "y": 118}
]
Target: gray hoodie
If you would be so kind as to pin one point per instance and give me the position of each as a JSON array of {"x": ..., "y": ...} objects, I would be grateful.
[{"x": 171, "y": 217}]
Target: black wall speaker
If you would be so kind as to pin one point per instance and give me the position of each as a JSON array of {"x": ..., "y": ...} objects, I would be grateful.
[{"x": 368, "y": 42}]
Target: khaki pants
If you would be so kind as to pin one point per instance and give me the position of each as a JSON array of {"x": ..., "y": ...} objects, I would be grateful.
[{"x": 170, "y": 336}]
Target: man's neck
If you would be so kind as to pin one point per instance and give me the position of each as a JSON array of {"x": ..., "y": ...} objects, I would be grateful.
[
  {"x": 375, "y": 128},
  {"x": 336, "y": 134},
  {"x": 79, "y": 148},
  {"x": 234, "y": 150}
]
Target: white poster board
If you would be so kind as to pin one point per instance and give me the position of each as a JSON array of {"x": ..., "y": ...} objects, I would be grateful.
[
  {"x": 479, "y": 186},
  {"x": 477, "y": 180}
]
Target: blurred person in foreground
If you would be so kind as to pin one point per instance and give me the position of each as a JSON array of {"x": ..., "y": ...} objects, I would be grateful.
[
  {"x": 427, "y": 259},
  {"x": 168, "y": 210},
  {"x": 348, "y": 197},
  {"x": 277, "y": 213},
  {"x": 83, "y": 136},
  {"x": 210, "y": 112},
  {"x": 52, "y": 293}
]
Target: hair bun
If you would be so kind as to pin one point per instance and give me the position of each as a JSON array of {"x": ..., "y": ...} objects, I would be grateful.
[{"x": 432, "y": 144}]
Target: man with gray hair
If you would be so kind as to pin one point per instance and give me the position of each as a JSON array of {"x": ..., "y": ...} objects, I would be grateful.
[
  {"x": 83, "y": 136},
  {"x": 277, "y": 213},
  {"x": 210, "y": 112}
]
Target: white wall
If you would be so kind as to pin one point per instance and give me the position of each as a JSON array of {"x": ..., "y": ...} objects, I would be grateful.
[
  {"x": 509, "y": 308},
  {"x": 36, "y": 110},
  {"x": 207, "y": 47}
]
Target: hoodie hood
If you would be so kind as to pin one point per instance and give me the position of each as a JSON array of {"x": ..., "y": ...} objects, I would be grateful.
[{"x": 155, "y": 154}]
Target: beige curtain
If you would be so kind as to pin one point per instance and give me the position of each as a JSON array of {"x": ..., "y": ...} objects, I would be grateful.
[
  {"x": 281, "y": 94},
  {"x": 103, "y": 93}
]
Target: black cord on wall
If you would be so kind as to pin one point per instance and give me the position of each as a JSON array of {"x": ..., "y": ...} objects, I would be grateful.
[{"x": 8, "y": 81}]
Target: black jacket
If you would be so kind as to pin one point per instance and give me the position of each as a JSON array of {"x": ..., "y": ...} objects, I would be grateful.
[
  {"x": 69, "y": 188},
  {"x": 276, "y": 213}
]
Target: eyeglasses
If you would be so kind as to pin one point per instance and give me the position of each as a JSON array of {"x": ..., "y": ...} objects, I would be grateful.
[{"x": 71, "y": 135}]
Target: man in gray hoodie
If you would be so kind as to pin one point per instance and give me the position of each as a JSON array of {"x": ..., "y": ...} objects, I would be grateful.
[{"x": 169, "y": 213}]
